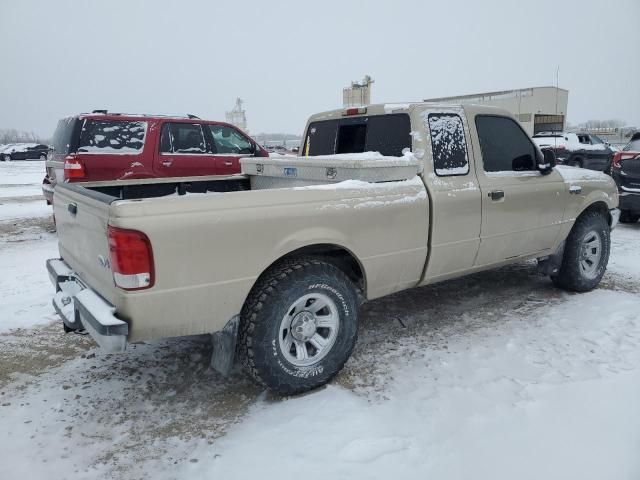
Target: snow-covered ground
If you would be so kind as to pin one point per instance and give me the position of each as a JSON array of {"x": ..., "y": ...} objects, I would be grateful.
[{"x": 507, "y": 378}]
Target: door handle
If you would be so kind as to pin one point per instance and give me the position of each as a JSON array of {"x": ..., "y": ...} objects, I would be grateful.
[
  {"x": 167, "y": 163},
  {"x": 73, "y": 208},
  {"x": 496, "y": 195},
  {"x": 228, "y": 163}
]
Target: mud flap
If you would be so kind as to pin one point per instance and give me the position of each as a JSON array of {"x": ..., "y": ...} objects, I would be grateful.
[
  {"x": 550, "y": 266},
  {"x": 224, "y": 347}
]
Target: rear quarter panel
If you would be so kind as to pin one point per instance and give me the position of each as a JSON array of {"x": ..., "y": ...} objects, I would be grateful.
[{"x": 210, "y": 249}]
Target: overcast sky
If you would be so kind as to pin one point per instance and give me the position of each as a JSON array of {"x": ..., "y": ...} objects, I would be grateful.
[{"x": 288, "y": 60}]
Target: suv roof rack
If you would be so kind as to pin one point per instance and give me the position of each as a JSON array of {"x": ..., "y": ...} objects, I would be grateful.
[{"x": 105, "y": 111}]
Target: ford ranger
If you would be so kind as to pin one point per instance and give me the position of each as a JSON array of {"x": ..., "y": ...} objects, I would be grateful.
[{"x": 275, "y": 262}]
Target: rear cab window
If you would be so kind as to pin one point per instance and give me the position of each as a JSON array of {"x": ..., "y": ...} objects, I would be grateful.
[
  {"x": 112, "y": 136},
  {"x": 387, "y": 134}
]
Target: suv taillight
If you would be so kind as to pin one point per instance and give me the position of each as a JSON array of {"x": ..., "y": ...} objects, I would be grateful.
[
  {"x": 131, "y": 258},
  {"x": 73, "y": 168}
]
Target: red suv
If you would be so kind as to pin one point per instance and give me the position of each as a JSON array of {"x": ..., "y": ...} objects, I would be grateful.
[{"x": 113, "y": 146}]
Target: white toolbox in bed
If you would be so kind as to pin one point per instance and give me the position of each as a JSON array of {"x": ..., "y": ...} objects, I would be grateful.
[{"x": 290, "y": 171}]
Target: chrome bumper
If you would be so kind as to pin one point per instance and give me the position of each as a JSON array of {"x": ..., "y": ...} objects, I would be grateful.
[{"x": 82, "y": 309}]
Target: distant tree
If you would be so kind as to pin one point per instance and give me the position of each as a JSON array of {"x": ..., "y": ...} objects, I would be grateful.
[{"x": 11, "y": 135}]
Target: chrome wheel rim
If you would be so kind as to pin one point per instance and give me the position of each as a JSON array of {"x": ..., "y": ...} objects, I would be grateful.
[
  {"x": 309, "y": 329},
  {"x": 590, "y": 254}
]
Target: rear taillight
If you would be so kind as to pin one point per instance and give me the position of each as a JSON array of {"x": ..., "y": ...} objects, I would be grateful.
[
  {"x": 131, "y": 258},
  {"x": 615, "y": 163},
  {"x": 354, "y": 111},
  {"x": 73, "y": 168},
  {"x": 618, "y": 157}
]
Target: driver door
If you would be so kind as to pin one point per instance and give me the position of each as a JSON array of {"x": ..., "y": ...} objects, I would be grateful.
[
  {"x": 230, "y": 146},
  {"x": 522, "y": 209}
]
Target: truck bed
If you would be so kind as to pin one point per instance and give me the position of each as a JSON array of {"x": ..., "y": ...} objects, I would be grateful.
[{"x": 213, "y": 236}]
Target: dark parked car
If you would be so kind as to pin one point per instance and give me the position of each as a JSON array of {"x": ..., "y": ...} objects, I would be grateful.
[
  {"x": 25, "y": 151},
  {"x": 582, "y": 150},
  {"x": 625, "y": 170}
]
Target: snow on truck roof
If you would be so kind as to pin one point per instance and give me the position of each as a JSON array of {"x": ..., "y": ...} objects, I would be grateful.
[{"x": 400, "y": 107}]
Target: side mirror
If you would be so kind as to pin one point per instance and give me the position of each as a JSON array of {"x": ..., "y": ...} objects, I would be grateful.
[{"x": 548, "y": 161}]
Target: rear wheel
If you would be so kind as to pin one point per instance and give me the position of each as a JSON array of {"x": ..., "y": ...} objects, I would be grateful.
[
  {"x": 586, "y": 254},
  {"x": 627, "y": 217},
  {"x": 575, "y": 162},
  {"x": 299, "y": 326}
]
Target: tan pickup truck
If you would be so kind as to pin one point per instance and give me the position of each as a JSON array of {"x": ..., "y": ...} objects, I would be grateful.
[{"x": 275, "y": 263}]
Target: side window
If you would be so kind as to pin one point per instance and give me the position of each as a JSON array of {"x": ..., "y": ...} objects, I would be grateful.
[
  {"x": 112, "y": 136},
  {"x": 321, "y": 138},
  {"x": 228, "y": 140},
  {"x": 182, "y": 138},
  {"x": 505, "y": 147},
  {"x": 448, "y": 144}
]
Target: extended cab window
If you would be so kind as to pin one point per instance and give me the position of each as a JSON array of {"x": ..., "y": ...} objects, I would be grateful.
[
  {"x": 182, "y": 138},
  {"x": 228, "y": 140},
  {"x": 448, "y": 144},
  {"x": 504, "y": 145},
  {"x": 387, "y": 134},
  {"x": 112, "y": 136}
]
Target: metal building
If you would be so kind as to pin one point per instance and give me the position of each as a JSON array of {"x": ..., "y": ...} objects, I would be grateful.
[
  {"x": 237, "y": 116},
  {"x": 359, "y": 93},
  {"x": 539, "y": 109}
]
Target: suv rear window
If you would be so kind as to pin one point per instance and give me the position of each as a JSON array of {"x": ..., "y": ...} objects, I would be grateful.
[
  {"x": 112, "y": 136},
  {"x": 64, "y": 139},
  {"x": 387, "y": 134}
]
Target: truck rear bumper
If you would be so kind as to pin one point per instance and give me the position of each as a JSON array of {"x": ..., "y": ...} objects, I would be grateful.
[{"x": 80, "y": 308}]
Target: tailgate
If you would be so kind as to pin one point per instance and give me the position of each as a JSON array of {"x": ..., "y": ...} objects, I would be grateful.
[{"x": 81, "y": 221}]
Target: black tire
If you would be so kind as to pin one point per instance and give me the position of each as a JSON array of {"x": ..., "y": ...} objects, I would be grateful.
[
  {"x": 572, "y": 276},
  {"x": 627, "y": 217},
  {"x": 575, "y": 162},
  {"x": 263, "y": 316}
]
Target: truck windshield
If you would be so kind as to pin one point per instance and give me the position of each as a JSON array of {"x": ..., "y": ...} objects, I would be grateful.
[{"x": 387, "y": 134}]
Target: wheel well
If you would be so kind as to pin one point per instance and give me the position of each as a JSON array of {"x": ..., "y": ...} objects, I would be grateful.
[
  {"x": 599, "y": 207},
  {"x": 336, "y": 255}
]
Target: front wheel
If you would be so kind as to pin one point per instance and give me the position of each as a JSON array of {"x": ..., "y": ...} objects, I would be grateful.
[
  {"x": 299, "y": 326},
  {"x": 586, "y": 254}
]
